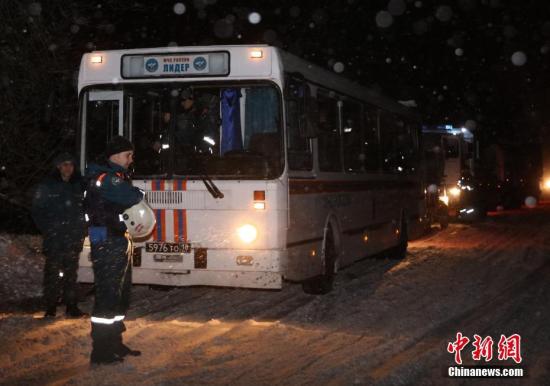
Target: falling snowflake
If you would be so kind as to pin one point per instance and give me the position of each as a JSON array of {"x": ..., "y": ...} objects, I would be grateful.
[
  {"x": 444, "y": 13},
  {"x": 254, "y": 17},
  {"x": 179, "y": 8},
  {"x": 397, "y": 7},
  {"x": 519, "y": 58},
  {"x": 35, "y": 9},
  {"x": 338, "y": 67},
  {"x": 384, "y": 19}
]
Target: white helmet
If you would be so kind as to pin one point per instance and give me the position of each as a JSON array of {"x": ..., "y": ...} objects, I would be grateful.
[{"x": 139, "y": 219}]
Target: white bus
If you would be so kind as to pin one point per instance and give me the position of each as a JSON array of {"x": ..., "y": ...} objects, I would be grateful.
[{"x": 260, "y": 166}]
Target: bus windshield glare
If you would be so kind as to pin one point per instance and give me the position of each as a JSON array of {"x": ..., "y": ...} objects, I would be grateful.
[{"x": 227, "y": 131}]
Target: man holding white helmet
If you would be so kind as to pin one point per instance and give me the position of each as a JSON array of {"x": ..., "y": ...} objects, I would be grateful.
[{"x": 109, "y": 194}]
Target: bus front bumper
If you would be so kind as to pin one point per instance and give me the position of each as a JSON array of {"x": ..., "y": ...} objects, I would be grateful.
[{"x": 225, "y": 268}]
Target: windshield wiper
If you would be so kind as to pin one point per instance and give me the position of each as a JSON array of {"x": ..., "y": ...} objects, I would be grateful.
[
  {"x": 203, "y": 175},
  {"x": 211, "y": 187}
]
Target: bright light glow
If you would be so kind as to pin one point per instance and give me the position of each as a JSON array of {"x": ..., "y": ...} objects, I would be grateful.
[
  {"x": 470, "y": 211},
  {"x": 348, "y": 129},
  {"x": 60, "y": 274},
  {"x": 256, "y": 54},
  {"x": 96, "y": 59},
  {"x": 455, "y": 192},
  {"x": 209, "y": 140},
  {"x": 259, "y": 205},
  {"x": 87, "y": 217},
  {"x": 98, "y": 183},
  {"x": 547, "y": 184},
  {"x": 165, "y": 146},
  {"x": 247, "y": 233},
  {"x": 444, "y": 199}
]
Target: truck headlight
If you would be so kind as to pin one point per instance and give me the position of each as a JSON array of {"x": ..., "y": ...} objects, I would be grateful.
[
  {"x": 247, "y": 233},
  {"x": 455, "y": 192}
]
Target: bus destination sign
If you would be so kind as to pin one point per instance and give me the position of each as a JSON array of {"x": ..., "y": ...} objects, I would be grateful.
[{"x": 175, "y": 65}]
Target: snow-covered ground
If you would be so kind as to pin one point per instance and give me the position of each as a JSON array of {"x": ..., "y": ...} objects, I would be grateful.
[{"x": 387, "y": 322}]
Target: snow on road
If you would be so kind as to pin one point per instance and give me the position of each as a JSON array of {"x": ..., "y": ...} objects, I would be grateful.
[{"x": 387, "y": 322}]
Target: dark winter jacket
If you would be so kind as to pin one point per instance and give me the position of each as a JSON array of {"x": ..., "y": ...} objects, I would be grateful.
[
  {"x": 58, "y": 211},
  {"x": 109, "y": 193}
]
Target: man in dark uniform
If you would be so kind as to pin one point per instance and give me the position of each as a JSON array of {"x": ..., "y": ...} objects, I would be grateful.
[
  {"x": 109, "y": 193},
  {"x": 57, "y": 210}
]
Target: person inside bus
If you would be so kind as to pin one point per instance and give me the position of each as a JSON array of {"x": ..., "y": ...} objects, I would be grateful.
[
  {"x": 187, "y": 120},
  {"x": 195, "y": 128}
]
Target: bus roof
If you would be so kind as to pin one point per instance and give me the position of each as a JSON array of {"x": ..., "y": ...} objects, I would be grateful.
[{"x": 241, "y": 66}]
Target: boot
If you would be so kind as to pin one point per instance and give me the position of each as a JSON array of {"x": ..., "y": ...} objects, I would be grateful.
[
  {"x": 50, "y": 312},
  {"x": 104, "y": 358},
  {"x": 105, "y": 340},
  {"x": 124, "y": 350},
  {"x": 74, "y": 312}
]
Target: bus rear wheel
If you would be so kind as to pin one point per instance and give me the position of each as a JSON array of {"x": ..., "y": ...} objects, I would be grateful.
[{"x": 322, "y": 284}]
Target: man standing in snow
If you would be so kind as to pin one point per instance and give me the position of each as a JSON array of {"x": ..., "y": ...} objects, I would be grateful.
[
  {"x": 109, "y": 194},
  {"x": 57, "y": 210}
]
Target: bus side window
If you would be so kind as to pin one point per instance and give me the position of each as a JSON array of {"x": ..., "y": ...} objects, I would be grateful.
[
  {"x": 399, "y": 145},
  {"x": 408, "y": 147},
  {"x": 299, "y": 150},
  {"x": 329, "y": 134},
  {"x": 392, "y": 143},
  {"x": 352, "y": 132},
  {"x": 370, "y": 139}
]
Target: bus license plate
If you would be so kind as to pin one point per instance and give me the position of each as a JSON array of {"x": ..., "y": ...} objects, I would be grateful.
[{"x": 168, "y": 247}]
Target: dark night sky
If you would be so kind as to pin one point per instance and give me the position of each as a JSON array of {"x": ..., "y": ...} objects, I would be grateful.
[{"x": 454, "y": 58}]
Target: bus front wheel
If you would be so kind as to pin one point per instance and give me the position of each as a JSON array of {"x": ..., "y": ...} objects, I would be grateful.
[{"x": 322, "y": 284}]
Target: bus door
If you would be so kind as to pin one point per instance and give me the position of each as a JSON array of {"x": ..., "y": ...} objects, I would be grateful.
[{"x": 102, "y": 119}]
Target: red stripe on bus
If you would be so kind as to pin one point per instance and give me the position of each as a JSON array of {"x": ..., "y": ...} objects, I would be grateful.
[{"x": 184, "y": 214}]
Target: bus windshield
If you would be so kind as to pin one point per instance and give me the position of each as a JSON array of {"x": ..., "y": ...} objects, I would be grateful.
[{"x": 226, "y": 131}]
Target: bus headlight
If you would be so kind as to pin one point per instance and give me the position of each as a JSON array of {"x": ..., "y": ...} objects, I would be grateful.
[{"x": 247, "y": 233}]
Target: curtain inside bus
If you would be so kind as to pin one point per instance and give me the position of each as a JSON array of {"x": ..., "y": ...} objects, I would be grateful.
[{"x": 231, "y": 121}]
